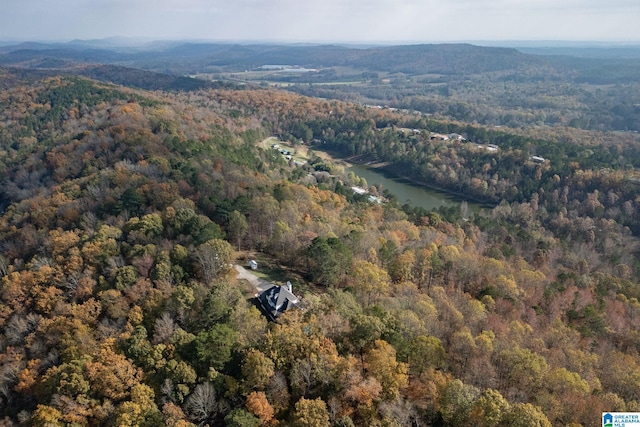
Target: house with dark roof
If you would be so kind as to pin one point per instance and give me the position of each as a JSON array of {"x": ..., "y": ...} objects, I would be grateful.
[{"x": 276, "y": 300}]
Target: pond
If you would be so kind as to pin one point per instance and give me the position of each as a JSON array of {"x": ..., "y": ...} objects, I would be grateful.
[{"x": 408, "y": 192}]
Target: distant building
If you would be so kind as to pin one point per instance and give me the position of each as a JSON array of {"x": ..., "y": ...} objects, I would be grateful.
[
  {"x": 362, "y": 191},
  {"x": 456, "y": 137},
  {"x": 253, "y": 264},
  {"x": 488, "y": 147},
  {"x": 359, "y": 190},
  {"x": 537, "y": 159},
  {"x": 276, "y": 300},
  {"x": 439, "y": 137}
]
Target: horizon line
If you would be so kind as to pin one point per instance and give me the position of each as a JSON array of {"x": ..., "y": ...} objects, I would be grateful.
[{"x": 140, "y": 41}]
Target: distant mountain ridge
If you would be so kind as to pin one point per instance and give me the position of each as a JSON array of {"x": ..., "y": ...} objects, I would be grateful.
[
  {"x": 441, "y": 58},
  {"x": 592, "y": 88},
  {"x": 131, "y": 77}
]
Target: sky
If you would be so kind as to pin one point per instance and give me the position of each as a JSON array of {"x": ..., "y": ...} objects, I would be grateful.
[{"x": 361, "y": 21}]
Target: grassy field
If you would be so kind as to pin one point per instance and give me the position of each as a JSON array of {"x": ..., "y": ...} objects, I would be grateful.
[
  {"x": 273, "y": 272},
  {"x": 298, "y": 152}
]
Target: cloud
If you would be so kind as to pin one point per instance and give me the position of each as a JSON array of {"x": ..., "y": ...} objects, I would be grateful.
[{"x": 329, "y": 20}]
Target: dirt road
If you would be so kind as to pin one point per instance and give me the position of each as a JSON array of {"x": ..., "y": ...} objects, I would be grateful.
[{"x": 258, "y": 283}]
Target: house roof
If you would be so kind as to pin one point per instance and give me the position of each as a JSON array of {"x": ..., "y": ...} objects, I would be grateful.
[{"x": 276, "y": 300}]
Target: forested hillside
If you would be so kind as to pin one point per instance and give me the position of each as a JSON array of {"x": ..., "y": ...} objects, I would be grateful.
[
  {"x": 123, "y": 210},
  {"x": 584, "y": 88}
]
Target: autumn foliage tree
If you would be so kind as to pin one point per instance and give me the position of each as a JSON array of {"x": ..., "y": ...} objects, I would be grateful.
[{"x": 118, "y": 306}]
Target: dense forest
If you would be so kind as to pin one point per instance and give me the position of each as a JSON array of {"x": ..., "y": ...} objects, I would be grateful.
[
  {"x": 123, "y": 211},
  {"x": 584, "y": 88}
]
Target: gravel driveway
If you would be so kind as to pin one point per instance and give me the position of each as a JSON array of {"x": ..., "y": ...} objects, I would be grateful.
[{"x": 258, "y": 283}]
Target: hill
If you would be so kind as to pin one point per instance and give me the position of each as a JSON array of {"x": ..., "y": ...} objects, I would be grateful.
[
  {"x": 119, "y": 75},
  {"x": 448, "y": 59},
  {"x": 123, "y": 208},
  {"x": 580, "y": 87},
  {"x": 418, "y": 59}
]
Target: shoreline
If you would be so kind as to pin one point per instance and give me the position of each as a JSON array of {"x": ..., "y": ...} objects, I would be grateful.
[
  {"x": 383, "y": 167},
  {"x": 388, "y": 167},
  {"x": 464, "y": 197}
]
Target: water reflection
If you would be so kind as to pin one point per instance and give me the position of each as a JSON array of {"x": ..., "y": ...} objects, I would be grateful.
[{"x": 407, "y": 192}]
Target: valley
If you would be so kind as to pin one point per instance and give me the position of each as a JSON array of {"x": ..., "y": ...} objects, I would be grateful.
[{"x": 130, "y": 192}]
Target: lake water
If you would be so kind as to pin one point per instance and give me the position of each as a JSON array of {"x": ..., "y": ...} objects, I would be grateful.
[{"x": 410, "y": 193}]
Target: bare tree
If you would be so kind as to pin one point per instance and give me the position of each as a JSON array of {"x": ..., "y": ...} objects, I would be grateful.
[
  {"x": 401, "y": 412},
  {"x": 19, "y": 326},
  {"x": 201, "y": 405},
  {"x": 164, "y": 327},
  {"x": 4, "y": 266},
  {"x": 167, "y": 390}
]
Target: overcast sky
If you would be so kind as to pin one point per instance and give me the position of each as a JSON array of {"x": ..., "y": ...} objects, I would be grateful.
[{"x": 323, "y": 20}]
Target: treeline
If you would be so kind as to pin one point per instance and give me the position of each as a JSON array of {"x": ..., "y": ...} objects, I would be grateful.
[
  {"x": 532, "y": 100},
  {"x": 118, "y": 306},
  {"x": 488, "y": 85}
]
